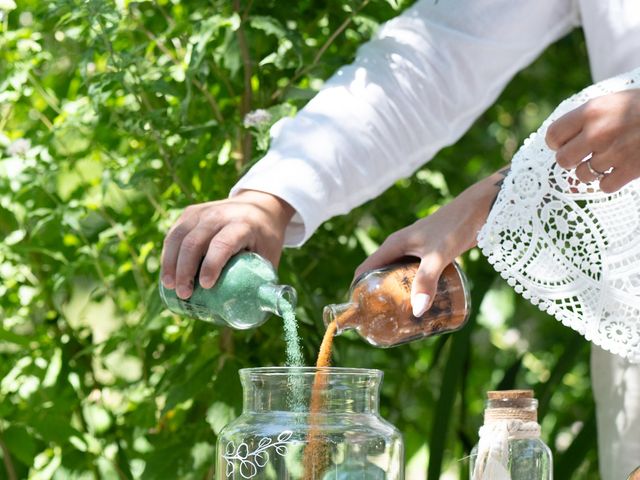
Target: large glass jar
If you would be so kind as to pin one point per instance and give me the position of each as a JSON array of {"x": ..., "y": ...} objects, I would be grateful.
[
  {"x": 510, "y": 446},
  {"x": 310, "y": 423}
]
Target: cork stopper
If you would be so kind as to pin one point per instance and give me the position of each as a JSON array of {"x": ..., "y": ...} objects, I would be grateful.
[
  {"x": 511, "y": 405},
  {"x": 509, "y": 394}
]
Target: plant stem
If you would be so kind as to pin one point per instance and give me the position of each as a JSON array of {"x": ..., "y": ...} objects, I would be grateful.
[
  {"x": 245, "y": 105},
  {"x": 207, "y": 95},
  {"x": 8, "y": 463},
  {"x": 343, "y": 26}
]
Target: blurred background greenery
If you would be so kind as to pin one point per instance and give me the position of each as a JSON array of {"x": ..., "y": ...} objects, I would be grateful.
[{"x": 115, "y": 115}]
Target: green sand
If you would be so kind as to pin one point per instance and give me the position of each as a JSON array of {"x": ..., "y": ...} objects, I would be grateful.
[{"x": 294, "y": 352}]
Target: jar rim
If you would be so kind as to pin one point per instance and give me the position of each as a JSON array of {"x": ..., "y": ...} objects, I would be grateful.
[{"x": 287, "y": 371}]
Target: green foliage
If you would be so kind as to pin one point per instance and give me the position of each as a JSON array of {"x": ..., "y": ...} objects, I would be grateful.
[{"x": 116, "y": 115}]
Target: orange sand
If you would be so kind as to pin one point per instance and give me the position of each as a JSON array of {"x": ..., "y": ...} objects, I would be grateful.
[{"x": 315, "y": 456}]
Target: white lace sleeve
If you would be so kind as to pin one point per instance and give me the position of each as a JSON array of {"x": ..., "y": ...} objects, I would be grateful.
[{"x": 567, "y": 247}]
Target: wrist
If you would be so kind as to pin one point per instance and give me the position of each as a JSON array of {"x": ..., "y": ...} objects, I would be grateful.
[
  {"x": 485, "y": 192},
  {"x": 278, "y": 209},
  {"x": 475, "y": 204}
]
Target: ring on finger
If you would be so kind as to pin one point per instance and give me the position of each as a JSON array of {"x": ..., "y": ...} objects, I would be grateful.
[{"x": 596, "y": 173}]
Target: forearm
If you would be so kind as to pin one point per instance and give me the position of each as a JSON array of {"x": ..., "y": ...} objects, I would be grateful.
[{"x": 471, "y": 209}]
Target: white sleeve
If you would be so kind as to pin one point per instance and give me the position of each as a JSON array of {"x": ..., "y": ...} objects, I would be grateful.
[{"x": 413, "y": 89}]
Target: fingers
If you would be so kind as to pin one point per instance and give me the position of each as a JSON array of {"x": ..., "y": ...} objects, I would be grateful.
[
  {"x": 607, "y": 128},
  {"x": 618, "y": 164},
  {"x": 229, "y": 241},
  {"x": 193, "y": 247},
  {"x": 565, "y": 128},
  {"x": 398, "y": 245},
  {"x": 425, "y": 284},
  {"x": 171, "y": 248},
  {"x": 614, "y": 181},
  {"x": 573, "y": 152}
]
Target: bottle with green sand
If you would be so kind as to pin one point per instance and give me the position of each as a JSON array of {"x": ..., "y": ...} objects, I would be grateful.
[{"x": 244, "y": 296}]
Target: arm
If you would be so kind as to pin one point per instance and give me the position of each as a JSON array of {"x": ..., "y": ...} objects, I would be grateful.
[
  {"x": 416, "y": 87},
  {"x": 413, "y": 89}
]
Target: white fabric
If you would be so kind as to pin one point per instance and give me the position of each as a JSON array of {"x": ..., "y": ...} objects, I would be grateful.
[
  {"x": 616, "y": 388},
  {"x": 566, "y": 246},
  {"x": 415, "y": 88},
  {"x": 492, "y": 462}
]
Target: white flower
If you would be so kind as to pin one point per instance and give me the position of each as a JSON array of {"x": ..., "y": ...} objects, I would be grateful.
[
  {"x": 256, "y": 118},
  {"x": 21, "y": 146}
]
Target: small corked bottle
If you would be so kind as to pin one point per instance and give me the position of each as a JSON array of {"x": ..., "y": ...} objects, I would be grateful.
[{"x": 510, "y": 447}]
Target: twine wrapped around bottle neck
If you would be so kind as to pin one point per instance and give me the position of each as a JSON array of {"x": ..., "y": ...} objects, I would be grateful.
[
  {"x": 511, "y": 406},
  {"x": 492, "y": 415}
]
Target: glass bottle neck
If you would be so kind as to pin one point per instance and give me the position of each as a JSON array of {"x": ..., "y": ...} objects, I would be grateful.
[
  {"x": 295, "y": 389},
  {"x": 277, "y": 299},
  {"x": 345, "y": 316}
]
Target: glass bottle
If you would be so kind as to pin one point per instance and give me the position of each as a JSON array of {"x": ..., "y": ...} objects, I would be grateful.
[
  {"x": 380, "y": 306},
  {"x": 243, "y": 297},
  {"x": 511, "y": 419},
  {"x": 305, "y": 423}
]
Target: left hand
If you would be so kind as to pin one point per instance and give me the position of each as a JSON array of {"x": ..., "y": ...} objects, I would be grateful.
[{"x": 608, "y": 129}]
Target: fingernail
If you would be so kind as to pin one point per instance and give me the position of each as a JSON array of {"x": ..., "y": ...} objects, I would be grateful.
[
  {"x": 167, "y": 280},
  {"x": 419, "y": 303},
  {"x": 183, "y": 292},
  {"x": 206, "y": 282}
]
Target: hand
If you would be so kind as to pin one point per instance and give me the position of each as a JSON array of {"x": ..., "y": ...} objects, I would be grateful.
[
  {"x": 608, "y": 129},
  {"x": 218, "y": 230},
  {"x": 438, "y": 239}
]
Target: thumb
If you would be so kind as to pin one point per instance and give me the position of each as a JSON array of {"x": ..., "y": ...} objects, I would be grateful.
[{"x": 425, "y": 284}]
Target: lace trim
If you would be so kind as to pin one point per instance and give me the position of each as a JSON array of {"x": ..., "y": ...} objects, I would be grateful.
[{"x": 567, "y": 247}]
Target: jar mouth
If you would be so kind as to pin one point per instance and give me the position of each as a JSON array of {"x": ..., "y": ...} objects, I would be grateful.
[
  {"x": 295, "y": 389},
  {"x": 255, "y": 372}
]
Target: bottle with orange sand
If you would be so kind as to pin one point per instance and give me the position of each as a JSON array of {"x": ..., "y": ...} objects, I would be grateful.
[{"x": 380, "y": 306}]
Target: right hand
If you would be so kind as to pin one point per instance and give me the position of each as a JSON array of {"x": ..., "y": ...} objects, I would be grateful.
[
  {"x": 251, "y": 220},
  {"x": 438, "y": 239}
]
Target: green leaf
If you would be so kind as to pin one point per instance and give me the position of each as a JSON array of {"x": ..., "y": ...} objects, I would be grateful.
[
  {"x": 8, "y": 222},
  {"x": 53, "y": 427},
  {"x": 20, "y": 443},
  {"x": 11, "y": 337},
  {"x": 268, "y": 25},
  {"x": 219, "y": 415},
  {"x": 53, "y": 369},
  {"x": 195, "y": 382}
]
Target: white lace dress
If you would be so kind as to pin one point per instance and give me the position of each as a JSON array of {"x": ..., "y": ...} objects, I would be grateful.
[{"x": 567, "y": 247}]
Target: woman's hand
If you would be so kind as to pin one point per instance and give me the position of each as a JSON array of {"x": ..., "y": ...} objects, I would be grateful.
[
  {"x": 217, "y": 230},
  {"x": 438, "y": 239},
  {"x": 600, "y": 139}
]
